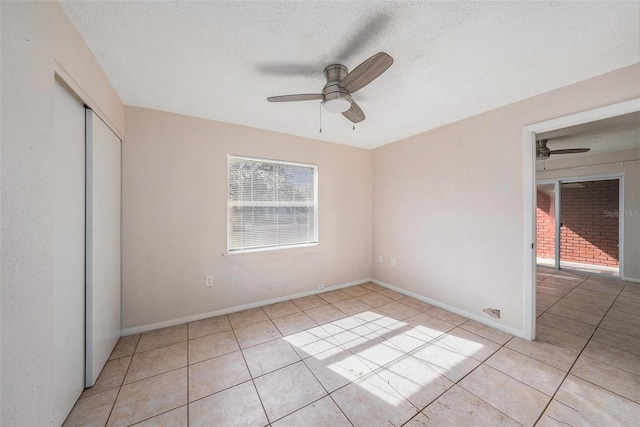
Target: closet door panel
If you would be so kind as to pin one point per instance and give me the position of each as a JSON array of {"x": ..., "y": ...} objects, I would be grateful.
[
  {"x": 103, "y": 244},
  {"x": 69, "y": 252}
]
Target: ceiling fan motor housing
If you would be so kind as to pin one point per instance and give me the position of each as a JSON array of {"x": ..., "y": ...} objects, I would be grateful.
[
  {"x": 335, "y": 99},
  {"x": 542, "y": 152}
]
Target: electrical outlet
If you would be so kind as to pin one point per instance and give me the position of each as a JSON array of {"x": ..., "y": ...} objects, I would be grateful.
[
  {"x": 393, "y": 262},
  {"x": 209, "y": 282},
  {"x": 380, "y": 259},
  {"x": 321, "y": 286}
]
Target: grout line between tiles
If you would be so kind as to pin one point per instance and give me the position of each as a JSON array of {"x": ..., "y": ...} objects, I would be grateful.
[
  {"x": 579, "y": 354},
  {"x": 122, "y": 382},
  {"x": 474, "y": 395},
  {"x": 216, "y": 392},
  {"x": 469, "y": 373},
  {"x": 162, "y": 413},
  {"x": 606, "y": 389},
  {"x": 251, "y": 377},
  {"x": 617, "y": 332},
  {"x": 188, "y": 369},
  {"x": 327, "y": 395}
]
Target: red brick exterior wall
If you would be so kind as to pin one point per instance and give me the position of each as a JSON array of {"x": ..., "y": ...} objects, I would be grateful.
[
  {"x": 589, "y": 232},
  {"x": 546, "y": 226}
]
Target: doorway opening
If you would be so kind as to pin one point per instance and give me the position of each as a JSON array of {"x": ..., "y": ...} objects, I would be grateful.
[
  {"x": 619, "y": 159},
  {"x": 578, "y": 225}
]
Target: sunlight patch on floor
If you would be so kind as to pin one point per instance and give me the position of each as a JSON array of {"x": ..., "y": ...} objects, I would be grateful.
[{"x": 349, "y": 346}]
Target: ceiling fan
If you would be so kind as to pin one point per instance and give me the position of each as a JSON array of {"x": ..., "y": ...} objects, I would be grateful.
[
  {"x": 336, "y": 94},
  {"x": 542, "y": 152}
]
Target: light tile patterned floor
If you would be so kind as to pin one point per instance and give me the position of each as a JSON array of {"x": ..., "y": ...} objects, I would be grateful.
[{"x": 369, "y": 356}]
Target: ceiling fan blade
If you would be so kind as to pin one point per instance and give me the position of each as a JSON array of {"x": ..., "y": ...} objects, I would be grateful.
[
  {"x": 570, "y": 151},
  {"x": 299, "y": 97},
  {"x": 366, "y": 72},
  {"x": 354, "y": 113},
  {"x": 364, "y": 36}
]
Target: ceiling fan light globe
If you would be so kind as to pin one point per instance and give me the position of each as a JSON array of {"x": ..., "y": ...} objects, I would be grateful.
[{"x": 337, "y": 105}]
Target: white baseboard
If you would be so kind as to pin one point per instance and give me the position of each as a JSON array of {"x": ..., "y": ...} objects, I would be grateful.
[
  {"x": 472, "y": 316},
  {"x": 629, "y": 279},
  {"x": 174, "y": 322}
]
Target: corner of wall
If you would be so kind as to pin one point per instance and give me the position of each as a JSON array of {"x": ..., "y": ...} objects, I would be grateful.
[
  {"x": 76, "y": 65},
  {"x": 37, "y": 42}
]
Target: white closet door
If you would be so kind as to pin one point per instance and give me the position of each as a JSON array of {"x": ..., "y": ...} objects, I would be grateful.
[
  {"x": 69, "y": 253},
  {"x": 103, "y": 244}
]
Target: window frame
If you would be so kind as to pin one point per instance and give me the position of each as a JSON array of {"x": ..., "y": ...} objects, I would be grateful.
[{"x": 315, "y": 241}]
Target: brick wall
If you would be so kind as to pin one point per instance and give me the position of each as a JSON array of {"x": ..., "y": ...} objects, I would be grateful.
[
  {"x": 587, "y": 235},
  {"x": 546, "y": 226}
]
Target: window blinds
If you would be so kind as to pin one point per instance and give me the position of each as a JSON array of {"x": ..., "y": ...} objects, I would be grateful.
[{"x": 271, "y": 204}]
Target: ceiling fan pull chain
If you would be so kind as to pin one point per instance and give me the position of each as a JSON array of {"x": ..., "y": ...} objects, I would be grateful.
[
  {"x": 320, "y": 116},
  {"x": 354, "y": 127}
]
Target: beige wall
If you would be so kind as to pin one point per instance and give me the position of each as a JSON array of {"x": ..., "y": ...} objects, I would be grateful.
[
  {"x": 448, "y": 203},
  {"x": 626, "y": 163},
  {"x": 29, "y": 32},
  {"x": 174, "y": 221},
  {"x": 77, "y": 66}
]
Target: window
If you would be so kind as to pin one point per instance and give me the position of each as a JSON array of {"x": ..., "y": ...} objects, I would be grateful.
[{"x": 271, "y": 204}]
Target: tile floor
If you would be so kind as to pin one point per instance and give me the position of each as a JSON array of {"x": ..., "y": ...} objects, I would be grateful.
[{"x": 369, "y": 356}]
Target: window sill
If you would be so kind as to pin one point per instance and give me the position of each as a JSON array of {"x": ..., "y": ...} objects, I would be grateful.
[{"x": 270, "y": 249}]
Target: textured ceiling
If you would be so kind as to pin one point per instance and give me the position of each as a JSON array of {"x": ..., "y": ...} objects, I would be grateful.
[{"x": 221, "y": 60}]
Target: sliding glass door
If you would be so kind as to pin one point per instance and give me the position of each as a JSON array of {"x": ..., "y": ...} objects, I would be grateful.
[
  {"x": 546, "y": 225},
  {"x": 589, "y": 226},
  {"x": 578, "y": 224}
]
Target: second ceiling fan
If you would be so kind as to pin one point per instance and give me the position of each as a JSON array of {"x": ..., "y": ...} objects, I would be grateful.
[
  {"x": 336, "y": 93},
  {"x": 542, "y": 152}
]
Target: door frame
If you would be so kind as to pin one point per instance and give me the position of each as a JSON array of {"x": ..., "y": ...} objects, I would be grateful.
[
  {"x": 529, "y": 195},
  {"x": 558, "y": 210},
  {"x": 556, "y": 222}
]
